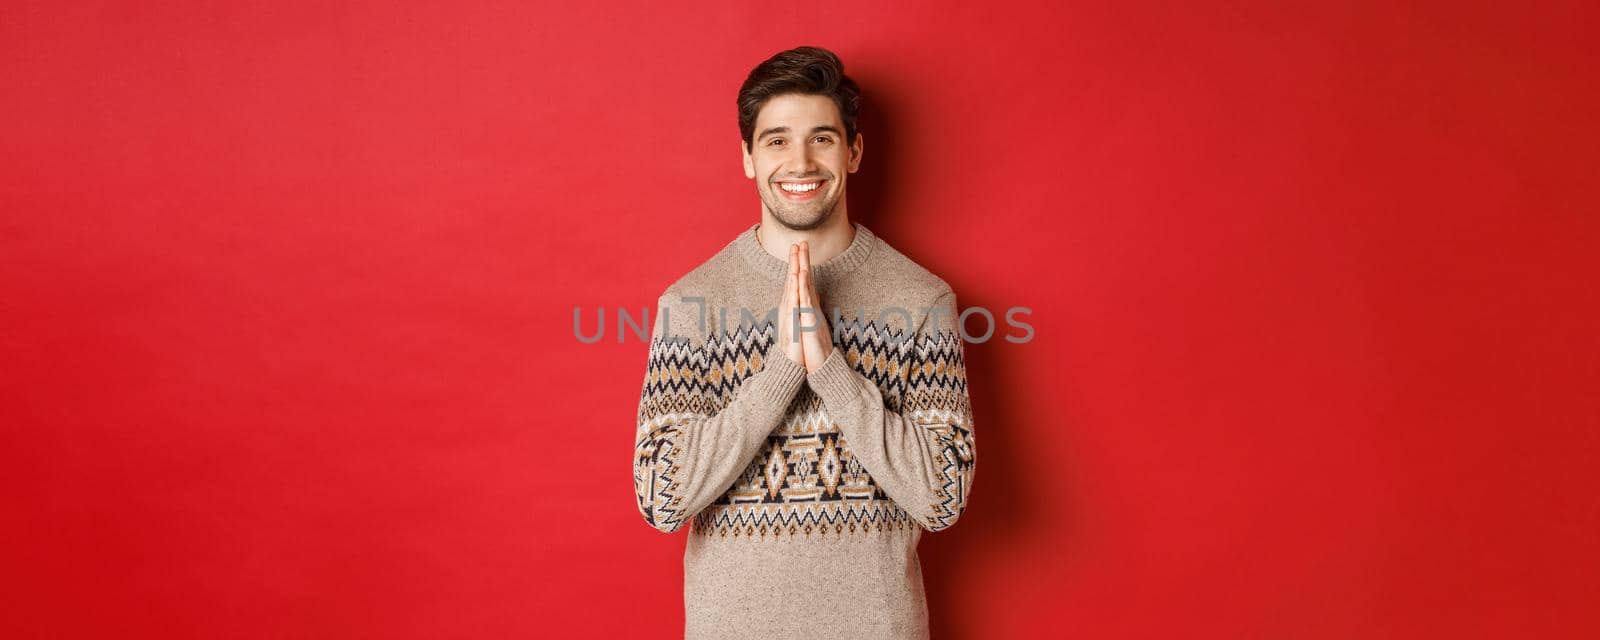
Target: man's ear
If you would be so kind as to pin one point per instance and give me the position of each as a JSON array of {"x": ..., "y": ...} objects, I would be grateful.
[
  {"x": 855, "y": 152},
  {"x": 749, "y": 165}
]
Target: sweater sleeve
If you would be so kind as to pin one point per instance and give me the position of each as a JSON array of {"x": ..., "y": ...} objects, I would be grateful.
[
  {"x": 703, "y": 413},
  {"x": 923, "y": 456}
]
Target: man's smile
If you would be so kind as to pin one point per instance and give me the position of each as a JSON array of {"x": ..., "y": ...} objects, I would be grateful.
[{"x": 800, "y": 190}]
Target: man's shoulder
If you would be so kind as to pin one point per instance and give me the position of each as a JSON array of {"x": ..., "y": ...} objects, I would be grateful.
[
  {"x": 890, "y": 265},
  {"x": 688, "y": 299},
  {"x": 715, "y": 273}
]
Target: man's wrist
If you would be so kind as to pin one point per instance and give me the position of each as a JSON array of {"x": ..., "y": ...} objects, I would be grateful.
[
  {"x": 780, "y": 376},
  {"x": 834, "y": 380},
  {"x": 812, "y": 364}
]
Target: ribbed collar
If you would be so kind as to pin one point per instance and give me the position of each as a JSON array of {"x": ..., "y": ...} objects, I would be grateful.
[{"x": 767, "y": 264}]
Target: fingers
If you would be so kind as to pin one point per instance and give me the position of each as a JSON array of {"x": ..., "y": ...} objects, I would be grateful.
[
  {"x": 808, "y": 288},
  {"x": 816, "y": 339},
  {"x": 805, "y": 274},
  {"x": 794, "y": 272},
  {"x": 808, "y": 291},
  {"x": 790, "y": 297}
]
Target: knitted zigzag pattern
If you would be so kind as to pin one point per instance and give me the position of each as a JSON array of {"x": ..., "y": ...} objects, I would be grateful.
[{"x": 804, "y": 479}]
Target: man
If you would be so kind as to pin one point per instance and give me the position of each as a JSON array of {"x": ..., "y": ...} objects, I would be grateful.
[{"x": 810, "y": 450}]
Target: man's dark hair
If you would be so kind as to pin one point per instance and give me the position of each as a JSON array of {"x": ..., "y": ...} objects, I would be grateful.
[{"x": 801, "y": 70}]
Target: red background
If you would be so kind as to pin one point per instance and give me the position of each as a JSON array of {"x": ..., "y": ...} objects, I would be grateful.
[{"x": 288, "y": 293}]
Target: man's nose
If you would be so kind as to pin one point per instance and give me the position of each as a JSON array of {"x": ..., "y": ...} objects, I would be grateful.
[{"x": 802, "y": 162}]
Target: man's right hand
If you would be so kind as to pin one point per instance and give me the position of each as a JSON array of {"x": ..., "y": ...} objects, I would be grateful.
[{"x": 788, "y": 334}]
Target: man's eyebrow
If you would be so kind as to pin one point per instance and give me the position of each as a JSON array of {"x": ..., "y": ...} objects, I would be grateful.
[{"x": 814, "y": 130}]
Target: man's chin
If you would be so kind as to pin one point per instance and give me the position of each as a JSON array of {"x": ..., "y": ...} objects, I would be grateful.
[{"x": 793, "y": 223}]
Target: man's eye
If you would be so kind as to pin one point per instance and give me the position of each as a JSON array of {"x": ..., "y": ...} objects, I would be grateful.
[
  {"x": 824, "y": 138},
  {"x": 776, "y": 141}
]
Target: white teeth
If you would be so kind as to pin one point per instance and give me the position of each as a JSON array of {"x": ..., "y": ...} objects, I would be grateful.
[{"x": 799, "y": 188}]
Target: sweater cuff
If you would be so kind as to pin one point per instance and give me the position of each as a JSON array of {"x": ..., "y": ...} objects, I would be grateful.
[
  {"x": 835, "y": 381},
  {"x": 779, "y": 378}
]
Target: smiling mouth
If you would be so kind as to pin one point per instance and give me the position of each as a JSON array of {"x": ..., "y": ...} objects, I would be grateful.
[{"x": 801, "y": 189}]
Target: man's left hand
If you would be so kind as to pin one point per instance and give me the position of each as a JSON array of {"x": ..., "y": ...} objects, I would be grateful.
[{"x": 816, "y": 342}]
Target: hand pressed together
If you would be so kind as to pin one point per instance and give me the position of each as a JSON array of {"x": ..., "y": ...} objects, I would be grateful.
[{"x": 806, "y": 343}]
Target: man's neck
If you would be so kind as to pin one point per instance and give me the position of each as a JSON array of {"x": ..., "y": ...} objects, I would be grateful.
[{"x": 823, "y": 243}]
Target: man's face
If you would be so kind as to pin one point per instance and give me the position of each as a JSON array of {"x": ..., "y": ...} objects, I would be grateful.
[{"x": 799, "y": 159}]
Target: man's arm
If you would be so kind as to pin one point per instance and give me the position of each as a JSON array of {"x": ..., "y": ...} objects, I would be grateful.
[
  {"x": 698, "y": 424},
  {"x": 924, "y": 456}
]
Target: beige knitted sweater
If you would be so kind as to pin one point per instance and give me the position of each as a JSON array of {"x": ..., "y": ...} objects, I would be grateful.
[{"x": 806, "y": 493}]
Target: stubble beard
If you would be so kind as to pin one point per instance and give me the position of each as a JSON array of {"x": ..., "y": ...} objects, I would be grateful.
[{"x": 803, "y": 217}]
